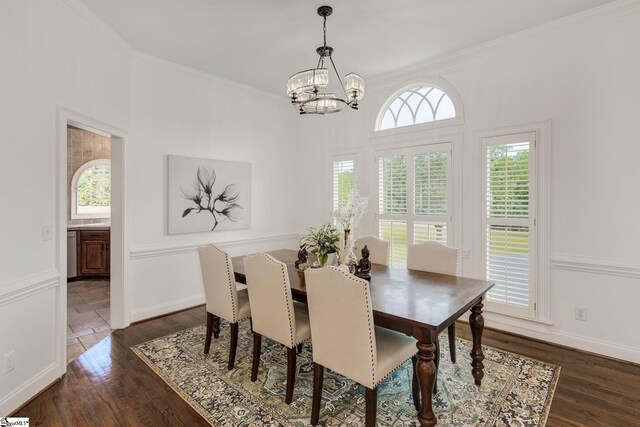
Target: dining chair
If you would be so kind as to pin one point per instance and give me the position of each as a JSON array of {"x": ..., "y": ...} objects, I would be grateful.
[
  {"x": 274, "y": 314},
  {"x": 345, "y": 339},
  {"x": 379, "y": 249},
  {"x": 435, "y": 257},
  {"x": 223, "y": 299}
]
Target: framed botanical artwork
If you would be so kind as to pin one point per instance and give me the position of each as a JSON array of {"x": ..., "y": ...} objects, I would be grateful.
[{"x": 207, "y": 195}]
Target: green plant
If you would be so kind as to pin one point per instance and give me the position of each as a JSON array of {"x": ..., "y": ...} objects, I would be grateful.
[{"x": 321, "y": 241}]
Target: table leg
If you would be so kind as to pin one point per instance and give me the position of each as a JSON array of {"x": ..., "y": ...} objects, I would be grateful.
[
  {"x": 476, "y": 322},
  {"x": 426, "y": 370}
]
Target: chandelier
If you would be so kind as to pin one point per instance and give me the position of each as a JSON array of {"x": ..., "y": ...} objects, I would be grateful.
[{"x": 304, "y": 88}]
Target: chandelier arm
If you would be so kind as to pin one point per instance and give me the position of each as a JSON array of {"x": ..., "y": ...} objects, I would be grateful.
[{"x": 346, "y": 96}]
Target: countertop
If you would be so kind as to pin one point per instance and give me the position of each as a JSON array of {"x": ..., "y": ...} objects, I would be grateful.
[{"x": 98, "y": 226}]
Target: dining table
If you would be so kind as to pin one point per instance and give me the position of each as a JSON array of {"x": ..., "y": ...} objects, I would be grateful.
[{"x": 416, "y": 303}]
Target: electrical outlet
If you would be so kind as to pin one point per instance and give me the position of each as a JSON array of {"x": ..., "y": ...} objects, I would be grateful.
[
  {"x": 46, "y": 232},
  {"x": 466, "y": 253},
  {"x": 581, "y": 313},
  {"x": 9, "y": 362}
]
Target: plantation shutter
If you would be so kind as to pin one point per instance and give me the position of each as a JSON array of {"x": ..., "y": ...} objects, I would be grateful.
[
  {"x": 343, "y": 175},
  {"x": 413, "y": 197},
  {"x": 431, "y": 196},
  {"x": 392, "y": 205},
  {"x": 509, "y": 219}
]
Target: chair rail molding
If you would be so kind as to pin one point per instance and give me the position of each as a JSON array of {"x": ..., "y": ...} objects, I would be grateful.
[
  {"x": 162, "y": 249},
  {"x": 595, "y": 266},
  {"x": 28, "y": 285}
]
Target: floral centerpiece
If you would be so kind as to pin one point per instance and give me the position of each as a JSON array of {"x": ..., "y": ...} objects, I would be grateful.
[{"x": 322, "y": 242}]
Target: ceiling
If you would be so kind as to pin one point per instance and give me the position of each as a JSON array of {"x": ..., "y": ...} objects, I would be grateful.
[{"x": 261, "y": 43}]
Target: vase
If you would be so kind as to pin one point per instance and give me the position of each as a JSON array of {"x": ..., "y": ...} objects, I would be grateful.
[{"x": 322, "y": 259}]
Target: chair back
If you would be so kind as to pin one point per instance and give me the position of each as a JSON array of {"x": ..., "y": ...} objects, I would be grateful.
[
  {"x": 219, "y": 283},
  {"x": 433, "y": 257},
  {"x": 270, "y": 298},
  {"x": 379, "y": 249},
  {"x": 342, "y": 329}
]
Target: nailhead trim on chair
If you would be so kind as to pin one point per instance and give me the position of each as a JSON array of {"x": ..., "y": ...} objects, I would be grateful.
[
  {"x": 369, "y": 320},
  {"x": 284, "y": 283},
  {"x": 391, "y": 372},
  {"x": 234, "y": 295}
]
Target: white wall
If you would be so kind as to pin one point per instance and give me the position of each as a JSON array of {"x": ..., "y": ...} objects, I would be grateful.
[
  {"x": 47, "y": 58},
  {"x": 175, "y": 110},
  {"x": 58, "y": 54},
  {"x": 580, "y": 73}
]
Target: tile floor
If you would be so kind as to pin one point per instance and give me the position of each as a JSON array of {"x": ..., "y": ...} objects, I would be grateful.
[{"x": 87, "y": 315}]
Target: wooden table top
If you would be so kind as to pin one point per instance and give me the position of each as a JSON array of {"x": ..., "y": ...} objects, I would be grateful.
[{"x": 427, "y": 300}]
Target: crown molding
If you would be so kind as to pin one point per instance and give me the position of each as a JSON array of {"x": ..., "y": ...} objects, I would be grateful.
[
  {"x": 96, "y": 25},
  {"x": 491, "y": 50}
]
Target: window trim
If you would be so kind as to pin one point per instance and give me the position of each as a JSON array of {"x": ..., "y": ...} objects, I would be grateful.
[
  {"x": 438, "y": 83},
  {"x": 74, "y": 191},
  {"x": 542, "y": 231}
]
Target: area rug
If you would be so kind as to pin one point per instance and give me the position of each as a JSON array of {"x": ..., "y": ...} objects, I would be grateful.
[{"x": 515, "y": 391}]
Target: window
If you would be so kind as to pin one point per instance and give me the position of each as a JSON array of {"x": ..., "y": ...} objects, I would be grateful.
[
  {"x": 414, "y": 197},
  {"x": 418, "y": 104},
  {"x": 91, "y": 190},
  {"x": 343, "y": 171},
  {"x": 508, "y": 221}
]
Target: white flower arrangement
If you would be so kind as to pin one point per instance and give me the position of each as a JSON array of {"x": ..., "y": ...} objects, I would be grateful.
[{"x": 349, "y": 215}]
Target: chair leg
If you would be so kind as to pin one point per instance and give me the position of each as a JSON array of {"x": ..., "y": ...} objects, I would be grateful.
[
  {"x": 436, "y": 360},
  {"x": 318, "y": 376},
  {"x": 216, "y": 326},
  {"x": 233, "y": 346},
  {"x": 207, "y": 340},
  {"x": 300, "y": 347},
  {"x": 291, "y": 374},
  {"x": 371, "y": 401},
  {"x": 415, "y": 387},
  {"x": 452, "y": 341},
  {"x": 257, "y": 347}
]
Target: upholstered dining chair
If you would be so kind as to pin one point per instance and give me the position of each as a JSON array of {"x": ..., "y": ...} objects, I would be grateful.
[
  {"x": 274, "y": 314},
  {"x": 345, "y": 339},
  {"x": 435, "y": 257},
  {"x": 223, "y": 299},
  {"x": 378, "y": 248}
]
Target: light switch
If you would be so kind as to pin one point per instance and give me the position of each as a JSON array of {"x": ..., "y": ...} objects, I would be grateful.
[{"x": 46, "y": 232}]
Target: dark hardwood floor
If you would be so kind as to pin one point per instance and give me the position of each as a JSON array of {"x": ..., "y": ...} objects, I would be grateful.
[{"x": 108, "y": 385}]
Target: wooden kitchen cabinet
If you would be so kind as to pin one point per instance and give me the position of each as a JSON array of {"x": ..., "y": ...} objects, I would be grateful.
[{"x": 94, "y": 257}]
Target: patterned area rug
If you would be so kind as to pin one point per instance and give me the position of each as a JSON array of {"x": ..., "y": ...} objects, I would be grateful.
[{"x": 515, "y": 391}]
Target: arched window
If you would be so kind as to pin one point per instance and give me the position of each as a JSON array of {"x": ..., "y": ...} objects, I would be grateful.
[
  {"x": 91, "y": 190},
  {"x": 417, "y": 104}
]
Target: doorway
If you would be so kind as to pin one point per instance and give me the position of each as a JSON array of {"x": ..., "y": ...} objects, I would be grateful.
[
  {"x": 88, "y": 239},
  {"x": 92, "y": 302}
]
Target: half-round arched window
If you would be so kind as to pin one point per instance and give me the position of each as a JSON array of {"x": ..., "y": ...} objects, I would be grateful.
[
  {"x": 415, "y": 105},
  {"x": 91, "y": 190}
]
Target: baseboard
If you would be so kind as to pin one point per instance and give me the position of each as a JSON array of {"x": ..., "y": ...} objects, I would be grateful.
[
  {"x": 546, "y": 333},
  {"x": 590, "y": 345},
  {"x": 146, "y": 313},
  {"x": 28, "y": 390}
]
